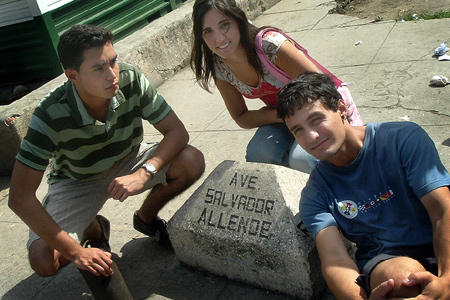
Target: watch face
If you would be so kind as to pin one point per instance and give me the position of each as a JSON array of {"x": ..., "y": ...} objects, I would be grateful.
[{"x": 149, "y": 168}]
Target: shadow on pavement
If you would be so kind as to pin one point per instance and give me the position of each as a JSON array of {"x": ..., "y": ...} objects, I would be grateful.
[
  {"x": 4, "y": 182},
  {"x": 150, "y": 271}
]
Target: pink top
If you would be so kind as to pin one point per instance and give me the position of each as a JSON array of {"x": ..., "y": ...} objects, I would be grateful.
[{"x": 269, "y": 86}]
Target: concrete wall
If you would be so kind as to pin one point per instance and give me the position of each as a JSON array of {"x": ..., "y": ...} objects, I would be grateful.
[{"x": 160, "y": 50}]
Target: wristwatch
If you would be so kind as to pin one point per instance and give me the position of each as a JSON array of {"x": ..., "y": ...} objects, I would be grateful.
[{"x": 150, "y": 168}]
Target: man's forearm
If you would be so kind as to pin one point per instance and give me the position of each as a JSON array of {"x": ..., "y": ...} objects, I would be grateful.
[
  {"x": 37, "y": 218},
  {"x": 169, "y": 147},
  {"x": 441, "y": 240},
  {"x": 342, "y": 283},
  {"x": 338, "y": 268}
]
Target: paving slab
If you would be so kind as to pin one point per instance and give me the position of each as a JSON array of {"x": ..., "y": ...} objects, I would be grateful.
[
  {"x": 415, "y": 40},
  {"x": 335, "y": 47}
]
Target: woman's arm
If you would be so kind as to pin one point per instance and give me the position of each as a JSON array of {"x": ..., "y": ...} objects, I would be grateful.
[
  {"x": 238, "y": 110},
  {"x": 292, "y": 61}
]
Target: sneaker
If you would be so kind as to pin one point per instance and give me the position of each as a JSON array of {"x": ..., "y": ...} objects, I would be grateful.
[
  {"x": 156, "y": 229},
  {"x": 103, "y": 241}
]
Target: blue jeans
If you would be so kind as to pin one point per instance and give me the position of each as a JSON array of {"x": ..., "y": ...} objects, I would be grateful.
[
  {"x": 272, "y": 144},
  {"x": 301, "y": 160}
]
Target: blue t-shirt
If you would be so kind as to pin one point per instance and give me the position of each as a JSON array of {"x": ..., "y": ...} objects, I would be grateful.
[{"x": 375, "y": 200}]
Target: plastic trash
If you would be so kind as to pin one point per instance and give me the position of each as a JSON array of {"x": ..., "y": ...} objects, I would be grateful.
[
  {"x": 358, "y": 43},
  {"x": 444, "y": 57},
  {"x": 405, "y": 118},
  {"x": 439, "y": 80},
  {"x": 441, "y": 49}
]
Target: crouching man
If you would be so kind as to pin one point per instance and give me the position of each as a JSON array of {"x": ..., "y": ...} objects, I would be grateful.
[{"x": 91, "y": 128}]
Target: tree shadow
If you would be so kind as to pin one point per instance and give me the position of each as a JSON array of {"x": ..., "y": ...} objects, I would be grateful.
[
  {"x": 68, "y": 283},
  {"x": 154, "y": 270},
  {"x": 149, "y": 270}
]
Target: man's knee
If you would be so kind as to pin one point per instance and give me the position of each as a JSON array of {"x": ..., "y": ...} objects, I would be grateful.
[
  {"x": 192, "y": 162},
  {"x": 43, "y": 259},
  {"x": 397, "y": 268}
]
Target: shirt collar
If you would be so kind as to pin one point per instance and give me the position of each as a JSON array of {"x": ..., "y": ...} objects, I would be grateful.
[
  {"x": 86, "y": 119},
  {"x": 80, "y": 114}
]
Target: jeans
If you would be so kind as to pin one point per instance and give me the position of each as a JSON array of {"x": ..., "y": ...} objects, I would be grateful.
[
  {"x": 275, "y": 144},
  {"x": 301, "y": 160}
]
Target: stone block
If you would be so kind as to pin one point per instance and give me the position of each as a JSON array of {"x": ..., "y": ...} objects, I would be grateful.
[
  {"x": 14, "y": 121},
  {"x": 242, "y": 223},
  {"x": 10, "y": 143}
]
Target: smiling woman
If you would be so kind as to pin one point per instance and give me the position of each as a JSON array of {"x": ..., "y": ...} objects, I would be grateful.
[
  {"x": 224, "y": 49},
  {"x": 221, "y": 35}
]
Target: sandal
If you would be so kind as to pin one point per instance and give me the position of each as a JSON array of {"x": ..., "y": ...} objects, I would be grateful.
[
  {"x": 103, "y": 241},
  {"x": 156, "y": 229}
]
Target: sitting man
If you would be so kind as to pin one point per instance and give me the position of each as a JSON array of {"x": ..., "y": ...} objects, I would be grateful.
[
  {"x": 91, "y": 128},
  {"x": 382, "y": 186}
]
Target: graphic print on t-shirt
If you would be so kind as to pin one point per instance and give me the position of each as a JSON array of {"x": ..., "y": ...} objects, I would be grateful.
[{"x": 350, "y": 209}]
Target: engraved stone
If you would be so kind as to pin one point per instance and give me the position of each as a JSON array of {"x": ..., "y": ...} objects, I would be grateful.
[{"x": 242, "y": 223}]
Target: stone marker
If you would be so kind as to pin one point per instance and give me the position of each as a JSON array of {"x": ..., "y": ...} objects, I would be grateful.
[
  {"x": 14, "y": 121},
  {"x": 10, "y": 142},
  {"x": 242, "y": 223}
]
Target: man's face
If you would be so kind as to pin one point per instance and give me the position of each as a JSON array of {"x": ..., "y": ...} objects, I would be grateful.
[
  {"x": 318, "y": 130},
  {"x": 98, "y": 77}
]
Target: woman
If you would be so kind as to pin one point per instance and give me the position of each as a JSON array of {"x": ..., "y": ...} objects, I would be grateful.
[{"x": 224, "y": 49}]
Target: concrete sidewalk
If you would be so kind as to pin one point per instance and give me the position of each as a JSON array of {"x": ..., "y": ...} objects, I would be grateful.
[{"x": 390, "y": 70}]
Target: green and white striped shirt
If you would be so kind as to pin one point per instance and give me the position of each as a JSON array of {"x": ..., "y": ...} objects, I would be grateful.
[{"x": 80, "y": 146}]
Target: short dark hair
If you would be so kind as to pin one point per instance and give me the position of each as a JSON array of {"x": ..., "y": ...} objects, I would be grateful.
[
  {"x": 79, "y": 38},
  {"x": 305, "y": 89}
]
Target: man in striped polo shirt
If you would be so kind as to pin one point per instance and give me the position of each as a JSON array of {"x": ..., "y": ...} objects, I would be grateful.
[{"x": 91, "y": 129}]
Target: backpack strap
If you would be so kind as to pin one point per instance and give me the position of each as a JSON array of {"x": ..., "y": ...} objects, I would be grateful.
[{"x": 277, "y": 72}]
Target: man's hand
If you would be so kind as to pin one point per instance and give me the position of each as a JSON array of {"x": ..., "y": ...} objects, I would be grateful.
[
  {"x": 380, "y": 292},
  {"x": 433, "y": 287},
  {"x": 122, "y": 187},
  {"x": 95, "y": 260}
]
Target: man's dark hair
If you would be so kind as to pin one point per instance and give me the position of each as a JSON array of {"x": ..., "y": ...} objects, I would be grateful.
[
  {"x": 79, "y": 38},
  {"x": 306, "y": 89}
]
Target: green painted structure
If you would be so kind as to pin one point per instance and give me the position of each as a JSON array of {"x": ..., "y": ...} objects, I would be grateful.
[{"x": 28, "y": 49}]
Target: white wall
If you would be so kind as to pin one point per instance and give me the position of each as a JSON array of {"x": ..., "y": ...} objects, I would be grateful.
[
  {"x": 40, "y": 7},
  {"x": 17, "y": 11}
]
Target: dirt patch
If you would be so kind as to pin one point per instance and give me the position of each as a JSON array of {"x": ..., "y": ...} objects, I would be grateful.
[{"x": 380, "y": 10}]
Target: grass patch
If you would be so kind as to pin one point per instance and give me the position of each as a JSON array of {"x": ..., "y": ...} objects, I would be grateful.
[{"x": 425, "y": 16}]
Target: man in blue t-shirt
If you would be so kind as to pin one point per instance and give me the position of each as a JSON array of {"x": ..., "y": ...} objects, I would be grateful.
[{"x": 382, "y": 186}]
